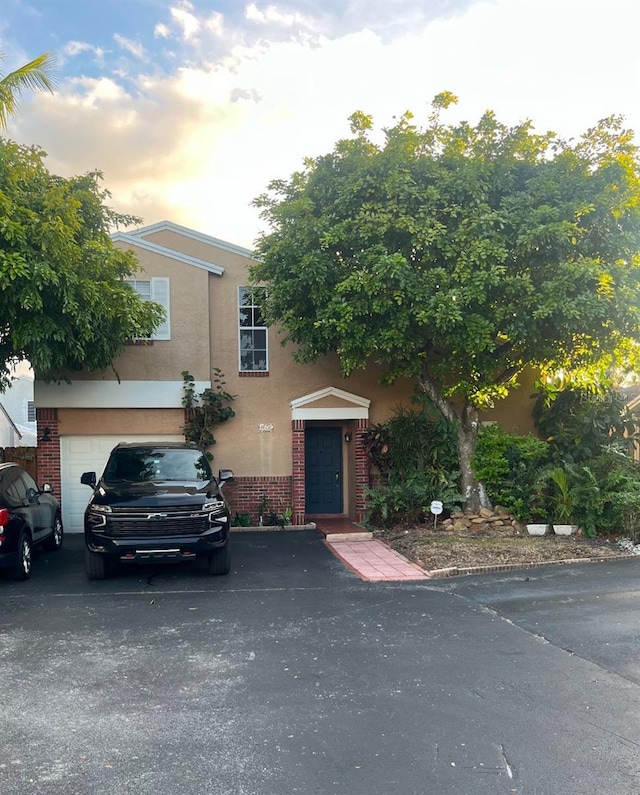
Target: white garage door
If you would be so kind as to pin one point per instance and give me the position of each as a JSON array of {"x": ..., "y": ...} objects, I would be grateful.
[{"x": 80, "y": 454}]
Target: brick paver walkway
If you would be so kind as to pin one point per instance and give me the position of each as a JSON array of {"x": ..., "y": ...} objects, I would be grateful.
[
  {"x": 355, "y": 546},
  {"x": 374, "y": 561},
  {"x": 367, "y": 557}
]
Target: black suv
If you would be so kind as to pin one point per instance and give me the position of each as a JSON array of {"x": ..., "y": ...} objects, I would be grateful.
[
  {"x": 29, "y": 517},
  {"x": 156, "y": 502}
]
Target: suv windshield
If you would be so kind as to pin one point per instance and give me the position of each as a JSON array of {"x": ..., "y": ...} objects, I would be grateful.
[{"x": 140, "y": 464}]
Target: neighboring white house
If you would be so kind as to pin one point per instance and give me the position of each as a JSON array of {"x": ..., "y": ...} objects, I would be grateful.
[{"x": 17, "y": 410}]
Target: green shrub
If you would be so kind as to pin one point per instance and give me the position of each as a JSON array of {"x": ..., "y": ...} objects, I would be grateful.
[
  {"x": 580, "y": 420},
  {"x": 606, "y": 493},
  {"x": 508, "y": 466},
  {"x": 413, "y": 440},
  {"x": 407, "y": 501},
  {"x": 415, "y": 452}
]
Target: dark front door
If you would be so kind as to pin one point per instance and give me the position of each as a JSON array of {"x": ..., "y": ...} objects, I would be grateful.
[{"x": 323, "y": 470}]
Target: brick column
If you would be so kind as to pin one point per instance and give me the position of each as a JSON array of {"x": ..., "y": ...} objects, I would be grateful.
[
  {"x": 297, "y": 449},
  {"x": 48, "y": 449},
  {"x": 362, "y": 469}
]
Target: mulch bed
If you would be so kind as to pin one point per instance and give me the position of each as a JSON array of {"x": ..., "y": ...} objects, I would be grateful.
[{"x": 470, "y": 540}]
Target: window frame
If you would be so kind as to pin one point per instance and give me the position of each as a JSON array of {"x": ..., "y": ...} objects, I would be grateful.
[
  {"x": 253, "y": 308},
  {"x": 160, "y": 293}
]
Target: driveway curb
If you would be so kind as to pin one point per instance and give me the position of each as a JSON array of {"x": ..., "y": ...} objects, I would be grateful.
[{"x": 454, "y": 571}]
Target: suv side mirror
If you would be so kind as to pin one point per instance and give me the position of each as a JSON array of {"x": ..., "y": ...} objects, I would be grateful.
[
  {"x": 225, "y": 475},
  {"x": 89, "y": 479}
]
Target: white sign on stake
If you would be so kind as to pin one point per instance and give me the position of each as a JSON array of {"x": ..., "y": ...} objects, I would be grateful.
[{"x": 436, "y": 509}]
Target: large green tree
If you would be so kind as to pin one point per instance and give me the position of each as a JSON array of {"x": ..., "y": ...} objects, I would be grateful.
[
  {"x": 37, "y": 75},
  {"x": 64, "y": 304},
  {"x": 457, "y": 255}
]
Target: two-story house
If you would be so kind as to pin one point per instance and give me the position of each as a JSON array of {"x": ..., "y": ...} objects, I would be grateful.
[{"x": 297, "y": 433}]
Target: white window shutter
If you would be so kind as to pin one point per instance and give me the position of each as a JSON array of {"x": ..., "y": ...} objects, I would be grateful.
[{"x": 160, "y": 294}]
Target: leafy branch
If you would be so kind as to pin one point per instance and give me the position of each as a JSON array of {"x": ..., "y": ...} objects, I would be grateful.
[{"x": 205, "y": 411}]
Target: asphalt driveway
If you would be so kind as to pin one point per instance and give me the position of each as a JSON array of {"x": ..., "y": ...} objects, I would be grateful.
[{"x": 293, "y": 676}]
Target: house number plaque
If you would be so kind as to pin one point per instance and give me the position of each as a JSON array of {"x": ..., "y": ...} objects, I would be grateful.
[{"x": 266, "y": 427}]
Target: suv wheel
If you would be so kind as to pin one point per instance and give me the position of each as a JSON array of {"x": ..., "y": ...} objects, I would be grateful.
[
  {"x": 98, "y": 567},
  {"x": 220, "y": 560},
  {"x": 54, "y": 541},
  {"x": 22, "y": 569}
]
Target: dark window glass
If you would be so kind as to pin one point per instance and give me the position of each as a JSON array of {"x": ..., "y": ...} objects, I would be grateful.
[
  {"x": 136, "y": 465},
  {"x": 18, "y": 487},
  {"x": 27, "y": 484}
]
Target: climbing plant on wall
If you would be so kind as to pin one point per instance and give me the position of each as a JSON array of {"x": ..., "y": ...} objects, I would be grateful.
[{"x": 205, "y": 411}]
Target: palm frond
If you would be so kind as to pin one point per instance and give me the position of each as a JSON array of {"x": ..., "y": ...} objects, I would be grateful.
[{"x": 37, "y": 75}]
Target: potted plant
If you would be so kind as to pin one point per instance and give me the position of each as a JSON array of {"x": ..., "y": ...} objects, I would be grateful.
[
  {"x": 535, "y": 513},
  {"x": 562, "y": 502},
  {"x": 535, "y": 518},
  {"x": 538, "y": 526}
]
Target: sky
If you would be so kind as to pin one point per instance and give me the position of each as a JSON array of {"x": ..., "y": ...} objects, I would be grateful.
[{"x": 191, "y": 107}]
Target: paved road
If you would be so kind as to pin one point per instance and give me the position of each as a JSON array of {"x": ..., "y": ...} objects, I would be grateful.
[{"x": 293, "y": 676}]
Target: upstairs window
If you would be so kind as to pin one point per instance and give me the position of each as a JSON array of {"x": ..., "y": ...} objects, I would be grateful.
[
  {"x": 253, "y": 331},
  {"x": 156, "y": 290}
]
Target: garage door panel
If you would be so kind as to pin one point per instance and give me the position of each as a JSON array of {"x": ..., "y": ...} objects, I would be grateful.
[{"x": 80, "y": 454}]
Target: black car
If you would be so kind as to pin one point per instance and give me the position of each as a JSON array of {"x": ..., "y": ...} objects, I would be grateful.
[
  {"x": 156, "y": 502},
  {"x": 29, "y": 517}
]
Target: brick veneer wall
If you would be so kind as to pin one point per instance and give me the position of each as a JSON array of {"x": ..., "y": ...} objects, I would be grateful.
[
  {"x": 362, "y": 470},
  {"x": 297, "y": 486},
  {"x": 245, "y": 493},
  {"x": 49, "y": 451}
]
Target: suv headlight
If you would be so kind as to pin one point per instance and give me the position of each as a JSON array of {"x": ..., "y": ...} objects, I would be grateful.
[
  {"x": 100, "y": 508},
  {"x": 214, "y": 505},
  {"x": 97, "y": 516}
]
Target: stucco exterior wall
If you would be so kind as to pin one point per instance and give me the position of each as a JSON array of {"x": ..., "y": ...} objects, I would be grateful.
[
  {"x": 91, "y": 422},
  {"x": 188, "y": 348},
  {"x": 228, "y": 256},
  {"x": 514, "y": 412}
]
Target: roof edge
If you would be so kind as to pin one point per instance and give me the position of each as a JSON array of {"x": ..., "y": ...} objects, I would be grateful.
[
  {"x": 154, "y": 248},
  {"x": 169, "y": 226}
]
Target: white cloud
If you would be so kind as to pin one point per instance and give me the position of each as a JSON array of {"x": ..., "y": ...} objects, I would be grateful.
[
  {"x": 183, "y": 15},
  {"x": 272, "y": 13},
  {"x": 196, "y": 146},
  {"x": 161, "y": 31},
  {"x": 76, "y": 47},
  {"x": 132, "y": 47},
  {"x": 245, "y": 93},
  {"x": 214, "y": 24}
]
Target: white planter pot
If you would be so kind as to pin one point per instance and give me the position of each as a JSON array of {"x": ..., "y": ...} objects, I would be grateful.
[
  {"x": 565, "y": 529},
  {"x": 538, "y": 529}
]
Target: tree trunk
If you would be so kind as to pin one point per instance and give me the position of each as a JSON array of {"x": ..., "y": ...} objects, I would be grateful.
[{"x": 468, "y": 426}]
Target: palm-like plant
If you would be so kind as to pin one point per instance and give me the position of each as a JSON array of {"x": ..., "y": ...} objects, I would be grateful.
[{"x": 37, "y": 75}]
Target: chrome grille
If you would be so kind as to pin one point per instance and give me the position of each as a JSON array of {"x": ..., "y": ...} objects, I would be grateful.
[{"x": 123, "y": 524}]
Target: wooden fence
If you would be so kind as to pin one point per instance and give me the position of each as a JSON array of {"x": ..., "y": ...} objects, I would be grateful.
[{"x": 26, "y": 457}]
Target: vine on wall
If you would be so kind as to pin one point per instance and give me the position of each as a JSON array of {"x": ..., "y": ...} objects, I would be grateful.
[{"x": 205, "y": 411}]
